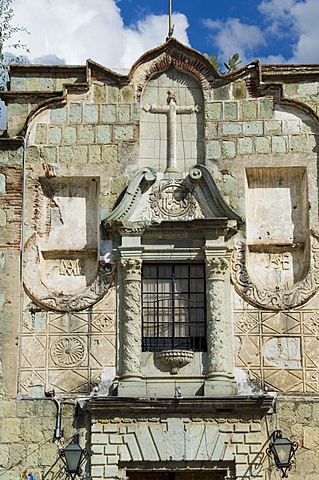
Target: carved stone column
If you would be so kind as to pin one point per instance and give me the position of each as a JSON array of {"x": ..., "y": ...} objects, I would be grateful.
[
  {"x": 219, "y": 380},
  {"x": 131, "y": 341}
]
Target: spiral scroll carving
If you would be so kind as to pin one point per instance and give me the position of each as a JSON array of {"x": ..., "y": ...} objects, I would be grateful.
[
  {"x": 283, "y": 299},
  {"x": 131, "y": 314}
]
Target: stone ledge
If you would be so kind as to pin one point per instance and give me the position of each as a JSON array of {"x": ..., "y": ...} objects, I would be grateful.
[{"x": 249, "y": 405}]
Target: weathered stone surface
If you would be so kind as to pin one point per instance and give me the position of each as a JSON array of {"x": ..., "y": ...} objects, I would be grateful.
[
  {"x": 213, "y": 149},
  {"x": 221, "y": 92},
  {"x": 41, "y": 134},
  {"x": 228, "y": 149},
  {"x": 255, "y": 150},
  {"x": 214, "y": 111},
  {"x": 59, "y": 115},
  {"x": 249, "y": 110},
  {"x": 99, "y": 93},
  {"x": 108, "y": 114},
  {"x": 75, "y": 112},
  {"x": 3, "y": 218},
  {"x": 91, "y": 113}
]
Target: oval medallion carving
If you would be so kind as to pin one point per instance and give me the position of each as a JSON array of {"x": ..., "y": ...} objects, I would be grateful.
[{"x": 173, "y": 200}]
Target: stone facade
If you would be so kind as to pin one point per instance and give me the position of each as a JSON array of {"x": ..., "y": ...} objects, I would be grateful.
[{"x": 103, "y": 174}]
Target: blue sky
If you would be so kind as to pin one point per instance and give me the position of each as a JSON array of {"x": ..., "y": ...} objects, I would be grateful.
[{"x": 116, "y": 32}]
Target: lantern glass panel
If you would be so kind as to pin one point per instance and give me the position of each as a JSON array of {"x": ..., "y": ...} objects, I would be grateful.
[
  {"x": 282, "y": 450},
  {"x": 73, "y": 455}
]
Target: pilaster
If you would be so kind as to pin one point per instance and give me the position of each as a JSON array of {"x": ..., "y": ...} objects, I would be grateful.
[
  {"x": 220, "y": 379},
  {"x": 131, "y": 383}
]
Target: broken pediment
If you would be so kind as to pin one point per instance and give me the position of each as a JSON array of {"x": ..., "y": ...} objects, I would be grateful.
[{"x": 152, "y": 199}]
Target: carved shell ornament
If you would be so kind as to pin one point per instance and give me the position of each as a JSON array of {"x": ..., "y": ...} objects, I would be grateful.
[{"x": 282, "y": 299}]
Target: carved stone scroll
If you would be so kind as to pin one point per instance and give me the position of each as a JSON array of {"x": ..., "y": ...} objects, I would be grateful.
[
  {"x": 131, "y": 317},
  {"x": 50, "y": 298},
  {"x": 300, "y": 293}
]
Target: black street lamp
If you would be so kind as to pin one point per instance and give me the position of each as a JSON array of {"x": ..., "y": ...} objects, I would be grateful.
[
  {"x": 73, "y": 456},
  {"x": 282, "y": 450}
]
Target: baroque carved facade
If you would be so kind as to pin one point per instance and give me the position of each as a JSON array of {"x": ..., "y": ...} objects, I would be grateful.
[{"x": 159, "y": 263}]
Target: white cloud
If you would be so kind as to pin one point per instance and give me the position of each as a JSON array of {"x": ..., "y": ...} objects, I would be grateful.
[
  {"x": 149, "y": 33},
  {"x": 273, "y": 59},
  {"x": 75, "y": 30},
  {"x": 297, "y": 19},
  {"x": 293, "y": 23},
  {"x": 232, "y": 36},
  {"x": 306, "y": 48}
]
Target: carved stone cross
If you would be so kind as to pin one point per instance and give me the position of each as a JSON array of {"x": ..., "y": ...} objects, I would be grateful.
[{"x": 171, "y": 110}]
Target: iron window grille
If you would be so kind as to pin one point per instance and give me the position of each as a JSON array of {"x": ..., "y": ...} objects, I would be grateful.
[{"x": 173, "y": 307}]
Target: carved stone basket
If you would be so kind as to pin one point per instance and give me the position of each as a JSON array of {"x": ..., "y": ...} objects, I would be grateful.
[{"x": 174, "y": 359}]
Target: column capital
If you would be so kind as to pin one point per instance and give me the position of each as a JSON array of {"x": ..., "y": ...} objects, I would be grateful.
[
  {"x": 216, "y": 267},
  {"x": 132, "y": 269}
]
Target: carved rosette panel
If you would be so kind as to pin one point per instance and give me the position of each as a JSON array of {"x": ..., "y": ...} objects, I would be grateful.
[
  {"x": 68, "y": 351},
  {"x": 299, "y": 294},
  {"x": 216, "y": 269},
  {"x": 173, "y": 200},
  {"x": 131, "y": 316}
]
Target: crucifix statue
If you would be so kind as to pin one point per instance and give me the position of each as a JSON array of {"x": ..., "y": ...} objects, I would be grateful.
[{"x": 172, "y": 109}]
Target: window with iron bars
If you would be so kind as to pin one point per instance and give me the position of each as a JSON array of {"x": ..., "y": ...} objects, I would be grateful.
[{"x": 173, "y": 307}]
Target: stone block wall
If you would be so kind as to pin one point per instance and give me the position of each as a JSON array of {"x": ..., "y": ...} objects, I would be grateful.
[
  {"x": 178, "y": 441},
  {"x": 82, "y": 125},
  {"x": 26, "y": 437},
  {"x": 298, "y": 419}
]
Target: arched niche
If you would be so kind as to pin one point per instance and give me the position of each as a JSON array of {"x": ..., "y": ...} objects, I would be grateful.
[{"x": 160, "y": 129}]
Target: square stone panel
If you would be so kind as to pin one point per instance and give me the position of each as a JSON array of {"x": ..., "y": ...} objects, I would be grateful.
[
  {"x": 68, "y": 351},
  {"x": 68, "y": 323},
  {"x": 69, "y": 381},
  {"x": 281, "y": 323},
  {"x": 311, "y": 349},
  {"x": 282, "y": 352},
  {"x": 312, "y": 381},
  {"x": 311, "y": 323},
  {"x": 103, "y": 322},
  {"x": 32, "y": 379},
  {"x": 34, "y": 351},
  {"x": 246, "y": 322},
  {"x": 248, "y": 351},
  {"x": 284, "y": 380},
  {"x": 102, "y": 351}
]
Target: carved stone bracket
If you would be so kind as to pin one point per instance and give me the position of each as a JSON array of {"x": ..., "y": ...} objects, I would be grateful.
[
  {"x": 175, "y": 359},
  {"x": 300, "y": 293}
]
